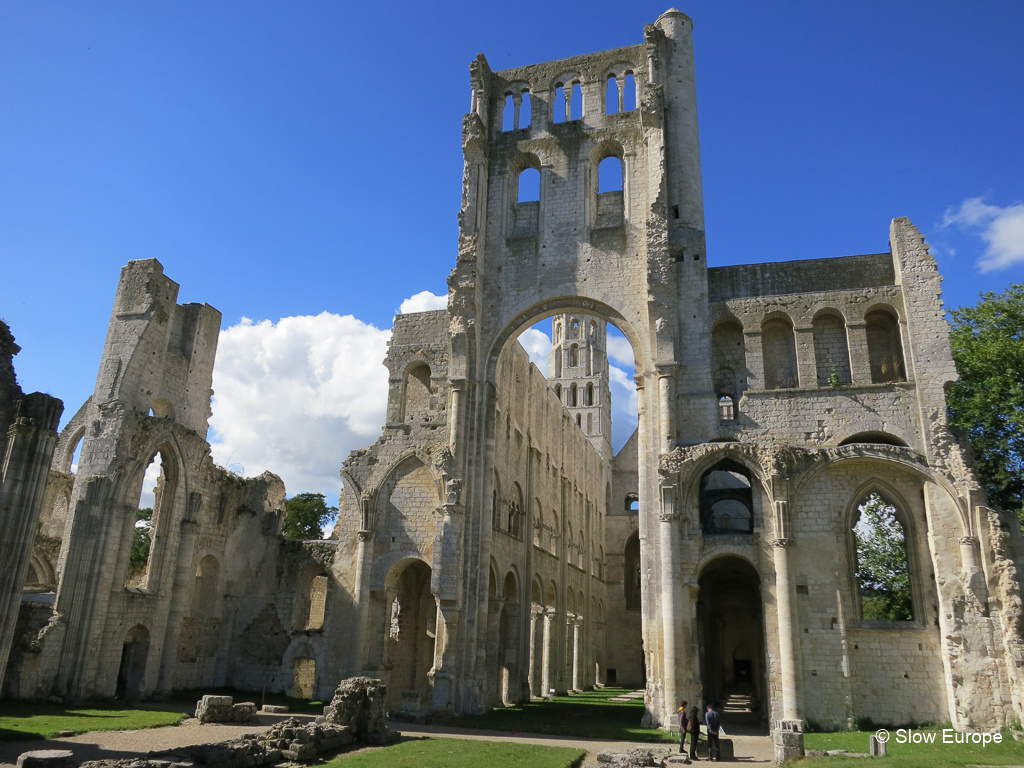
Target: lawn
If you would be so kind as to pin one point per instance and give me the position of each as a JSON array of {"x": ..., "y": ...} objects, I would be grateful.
[
  {"x": 922, "y": 755},
  {"x": 589, "y": 715},
  {"x": 461, "y": 753},
  {"x": 41, "y": 721}
]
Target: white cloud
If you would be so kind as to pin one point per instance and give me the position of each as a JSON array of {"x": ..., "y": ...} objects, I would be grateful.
[
  {"x": 621, "y": 351},
  {"x": 296, "y": 396},
  {"x": 624, "y": 406},
  {"x": 424, "y": 301},
  {"x": 1001, "y": 228},
  {"x": 538, "y": 345}
]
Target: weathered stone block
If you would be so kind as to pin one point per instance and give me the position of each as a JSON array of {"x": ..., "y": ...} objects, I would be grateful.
[{"x": 46, "y": 758}]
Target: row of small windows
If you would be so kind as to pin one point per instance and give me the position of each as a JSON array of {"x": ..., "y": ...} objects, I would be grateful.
[
  {"x": 609, "y": 179},
  {"x": 576, "y": 396},
  {"x": 620, "y": 98},
  {"x": 778, "y": 352},
  {"x": 574, "y": 329}
]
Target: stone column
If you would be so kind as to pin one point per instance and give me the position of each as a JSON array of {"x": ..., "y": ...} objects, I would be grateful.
[
  {"x": 444, "y": 583},
  {"x": 666, "y": 401},
  {"x": 181, "y": 594},
  {"x": 546, "y": 660},
  {"x": 576, "y": 683},
  {"x": 670, "y": 597},
  {"x": 533, "y": 676},
  {"x": 26, "y": 469},
  {"x": 788, "y": 731},
  {"x": 364, "y": 558}
]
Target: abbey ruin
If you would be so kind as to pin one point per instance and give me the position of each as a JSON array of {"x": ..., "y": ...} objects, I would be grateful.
[{"x": 490, "y": 547}]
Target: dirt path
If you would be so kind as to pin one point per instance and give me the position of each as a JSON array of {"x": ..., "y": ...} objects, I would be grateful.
[{"x": 101, "y": 745}]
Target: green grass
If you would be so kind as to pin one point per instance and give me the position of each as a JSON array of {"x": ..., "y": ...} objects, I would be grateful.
[
  {"x": 259, "y": 698},
  {"x": 1009, "y": 752},
  {"x": 589, "y": 715},
  {"x": 42, "y": 721},
  {"x": 461, "y": 753}
]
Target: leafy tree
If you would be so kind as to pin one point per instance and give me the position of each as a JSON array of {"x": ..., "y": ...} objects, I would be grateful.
[
  {"x": 986, "y": 405},
  {"x": 142, "y": 536},
  {"x": 306, "y": 514},
  {"x": 882, "y": 563}
]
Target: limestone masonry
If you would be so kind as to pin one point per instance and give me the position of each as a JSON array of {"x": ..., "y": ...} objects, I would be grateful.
[{"x": 490, "y": 547}]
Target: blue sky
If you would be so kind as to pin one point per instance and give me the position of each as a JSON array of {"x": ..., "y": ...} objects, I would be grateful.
[{"x": 289, "y": 159}]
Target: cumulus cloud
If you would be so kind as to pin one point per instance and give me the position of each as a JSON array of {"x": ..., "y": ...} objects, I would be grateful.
[
  {"x": 538, "y": 346},
  {"x": 296, "y": 396},
  {"x": 1001, "y": 228},
  {"x": 620, "y": 350},
  {"x": 624, "y": 406},
  {"x": 424, "y": 301}
]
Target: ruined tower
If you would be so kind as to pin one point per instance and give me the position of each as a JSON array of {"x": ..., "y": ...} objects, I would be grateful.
[{"x": 578, "y": 373}]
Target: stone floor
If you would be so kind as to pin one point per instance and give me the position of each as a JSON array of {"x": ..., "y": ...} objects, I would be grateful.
[{"x": 751, "y": 745}]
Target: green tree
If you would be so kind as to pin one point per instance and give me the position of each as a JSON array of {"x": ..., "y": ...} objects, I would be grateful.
[
  {"x": 986, "y": 405},
  {"x": 142, "y": 536},
  {"x": 305, "y": 515},
  {"x": 882, "y": 563}
]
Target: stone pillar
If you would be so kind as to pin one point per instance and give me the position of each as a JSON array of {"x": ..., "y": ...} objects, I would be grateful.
[
  {"x": 364, "y": 558},
  {"x": 670, "y": 598},
  {"x": 666, "y": 401},
  {"x": 577, "y": 684},
  {"x": 788, "y": 731},
  {"x": 546, "y": 660},
  {"x": 444, "y": 583},
  {"x": 534, "y": 678},
  {"x": 860, "y": 363},
  {"x": 26, "y": 468},
  {"x": 181, "y": 599}
]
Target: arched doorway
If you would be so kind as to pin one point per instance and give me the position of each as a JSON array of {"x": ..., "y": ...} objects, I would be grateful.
[
  {"x": 409, "y": 636},
  {"x": 730, "y": 626},
  {"x": 132, "y": 672}
]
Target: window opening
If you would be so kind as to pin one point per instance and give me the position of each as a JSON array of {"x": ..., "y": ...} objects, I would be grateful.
[
  {"x": 529, "y": 186},
  {"x": 574, "y": 361},
  {"x": 576, "y": 111},
  {"x": 631, "y": 575},
  {"x": 559, "y": 109},
  {"x": 726, "y": 409},
  {"x": 524, "y": 111},
  {"x": 885, "y": 352},
  {"x": 629, "y": 93},
  {"x": 572, "y": 395},
  {"x": 508, "y": 114},
  {"x": 609, "y": 175},
  {"x": 883, "y": 570},
  {"x": 611, "y": 96},
  {"x": 726, "y": 499},
  {"x": 589, "y": 400}
]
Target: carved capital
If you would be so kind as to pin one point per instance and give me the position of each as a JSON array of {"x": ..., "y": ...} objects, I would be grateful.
[
  {"x": 366, "y": 535},
  {"x": 969, "y": 540},
  {"x": 784, "y": 543}
]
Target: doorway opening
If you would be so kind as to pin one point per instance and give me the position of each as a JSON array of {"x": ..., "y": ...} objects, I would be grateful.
[
  {"x": 132, "y": 672},
  {"x": 730, "y": 626},
  {"x": 409, "y": 643}
]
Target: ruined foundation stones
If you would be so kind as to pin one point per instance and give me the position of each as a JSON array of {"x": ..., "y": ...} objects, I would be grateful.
[
  {"x": 45, "y": 758},
  {"x": 359, "y": 703},
  {"x": 221, "y": 709}
]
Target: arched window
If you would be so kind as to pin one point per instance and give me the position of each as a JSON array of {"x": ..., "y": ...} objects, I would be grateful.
[
  {"x": 157, "y": 498},
  {"x": 555, "y": 532},
  {"x": 495, "y": 501},
  {"x": 558, "y": 391},
  {"x": 574, "y": 358},
  {"x": 629, "y": 93},
  {"x": 515, "y": 511},
  {"x": 726, "y": 499},
  {"x": 883, "y": 565},
  {"x": 538, "y": 524},
  {"x": 508, "y": 114},
  {"x": 590, "y": 423},
  {"x": 572, "y": 395},
  {"x": 831, "y": 353},
  {"x": 631, "y": 573},
  {"x": 885, "y": 350},
  {"x": 529, "y": 185},
  {"x": 558, "y": 332},
  {"x": 576, "y": 103},
  {"x": 579, "y": 420},
  {"x": 632, "y": 502},
  {"x": 726, "y": 408},
  {"x": 525, "y": 111},
  {"x": 729, "y": 361},
  {"x": 593, "y": 330},
  {"x": 779, "y": 351},
  {"x": 611, "y": 96},
  {"x": 609, "y": 175},
  {"x": 589, "y": 399},
  {"x": 559, "y": 109},
  {"x": 574, "y": 328}
]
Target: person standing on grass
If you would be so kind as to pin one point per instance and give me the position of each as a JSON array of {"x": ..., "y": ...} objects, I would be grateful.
[
  {"x": 681, "y": 718},
  {"x": 713, "y": 721},
  {"x": 693, "y": 728}
]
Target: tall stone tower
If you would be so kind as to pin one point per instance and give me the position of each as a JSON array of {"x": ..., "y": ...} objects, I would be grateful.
[{"x": 579, "y": 375}]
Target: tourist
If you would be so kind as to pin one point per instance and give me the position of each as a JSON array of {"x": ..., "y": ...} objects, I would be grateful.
[
  {"x": 683, "y": 723},
  {"x": 693, "y": 728},
  {"x": 713, "y": 720}
]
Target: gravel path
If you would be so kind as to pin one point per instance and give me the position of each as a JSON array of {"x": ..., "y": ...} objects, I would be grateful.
[{"x": 100, "y": 745}]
